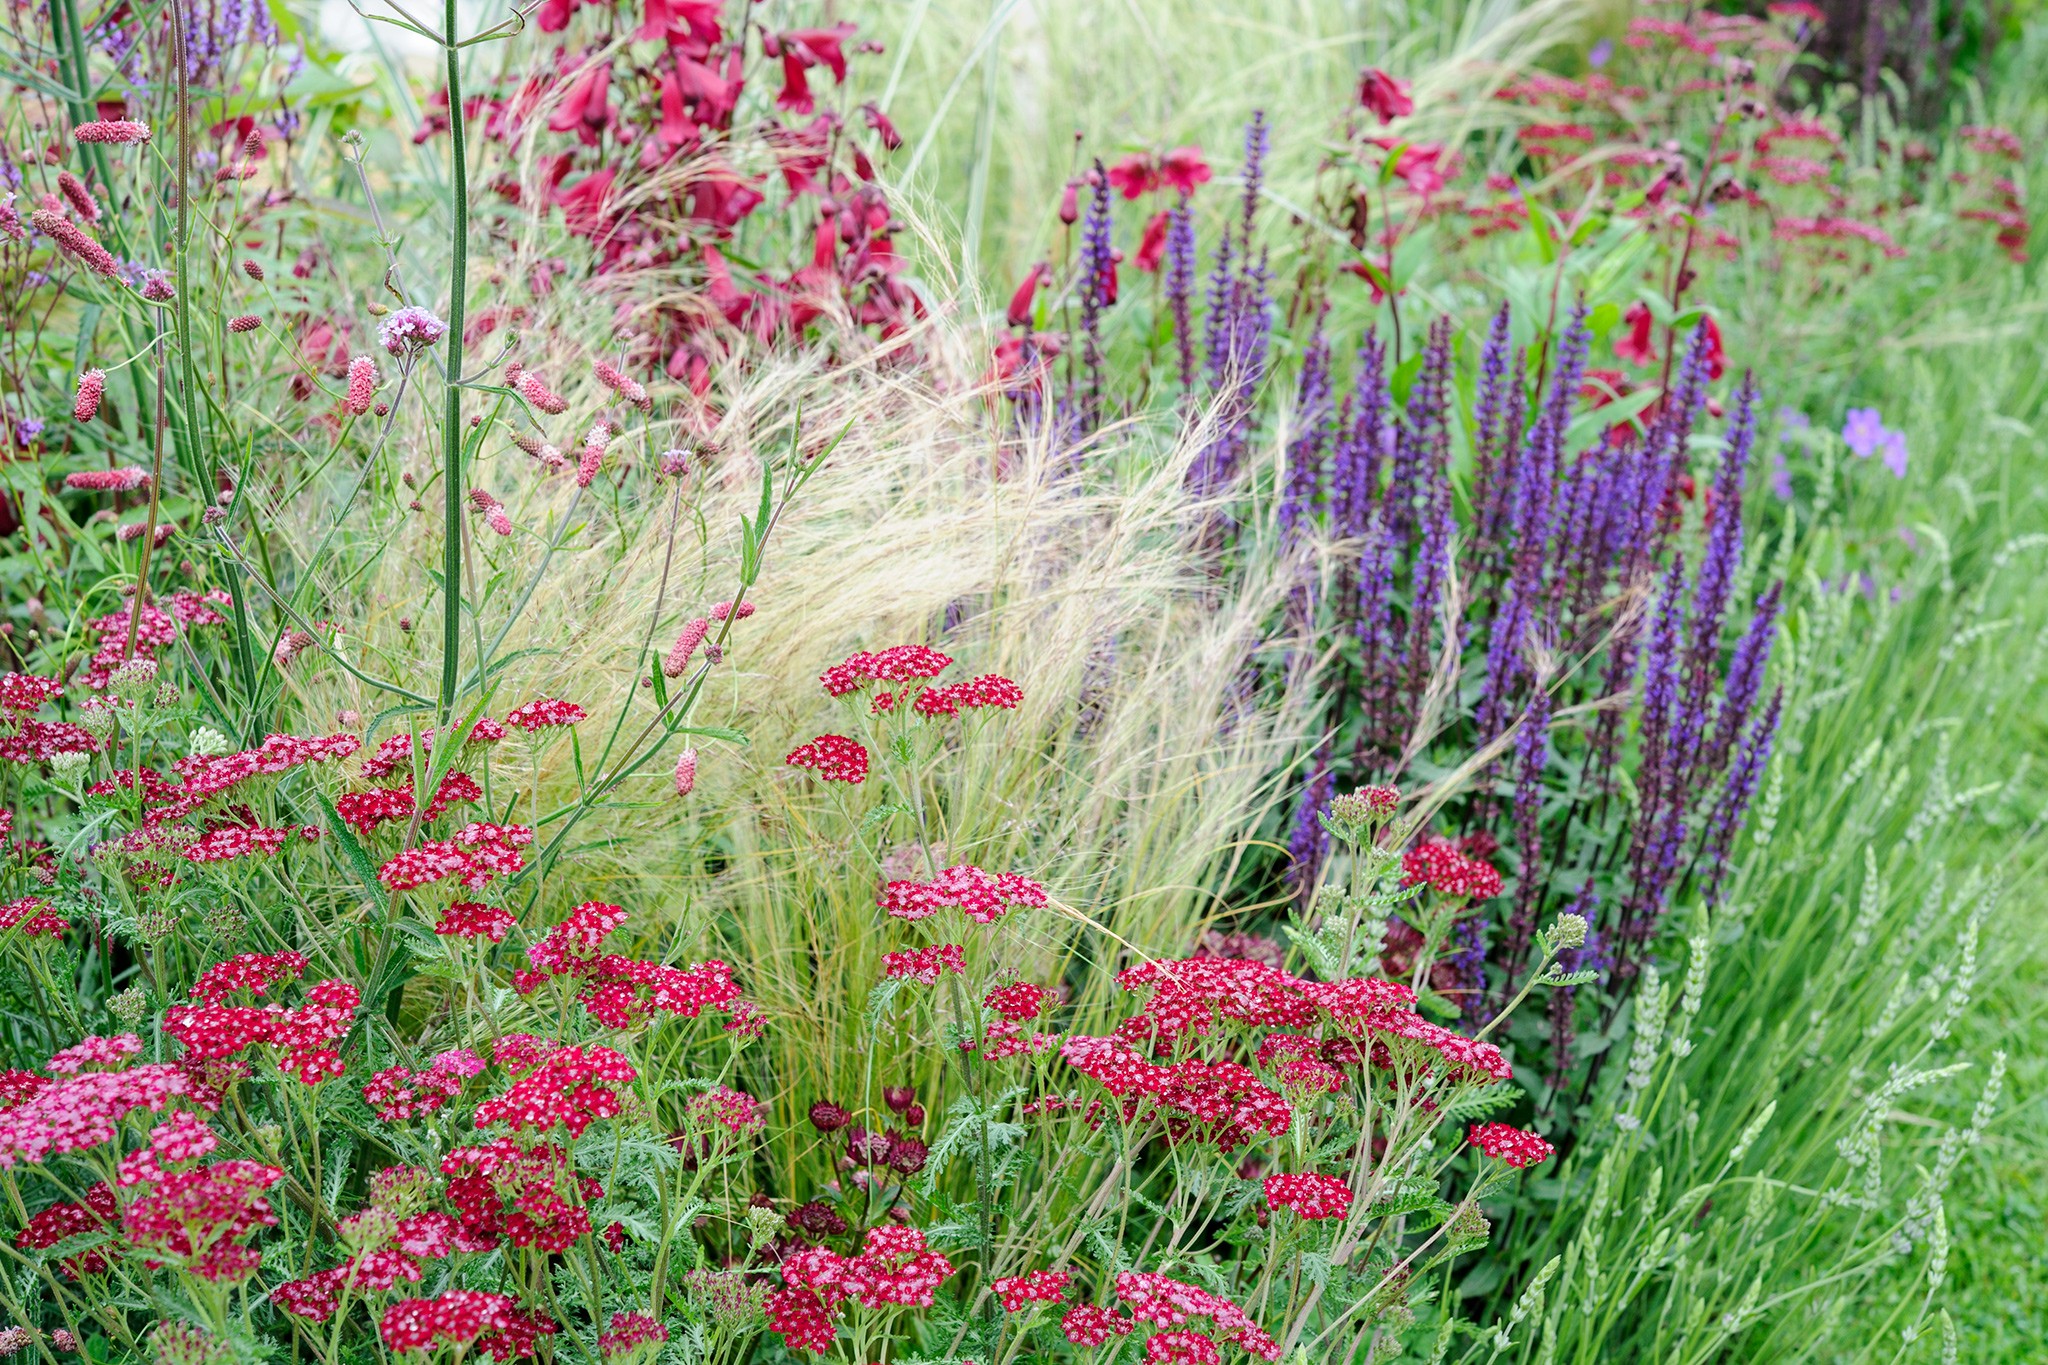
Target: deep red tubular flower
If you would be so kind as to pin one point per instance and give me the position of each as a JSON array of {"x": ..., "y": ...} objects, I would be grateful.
[
  {"x": 1387, "y": 98},
  {"x": 92, "y": 385},
  {"x": 75, "y": 242},
  {"x": 1310, "y": 1195},
  {"x": 1020, "y": 311},
  {"x": 834, "y": 758},
  {"x": 1516, "y": 1146}
]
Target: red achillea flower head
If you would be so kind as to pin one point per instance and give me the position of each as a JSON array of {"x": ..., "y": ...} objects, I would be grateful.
[
  {"x": 801, "y": 1319},
  {"x": 111, "y": 131},
  {"x": 834, "y": 758},
  {"x": 535, "y": 390},
  {"x": 897, "y": 664},
  {"x": 247, "y": 322},
  {"x": 255, "y": 973},
  {"x": 1020, "y": 312},
  {"x": 28, "y": 691},
  {"x": 469, "y": 919},
  {"x": 1019, "y": 1292},
  {"x": 630, "y": 1332},
  {"x": 1182, "y": 1348},
  {"x": 543, "y": 713},
  {"x": 925, "y": 965},
  {"x": 1387, "y": 98},
  {"x": 1448, "y": 872},
  {"x": 686, "y": 772},
  {"x": 1516, "y": 1146},
  {"x": 626, "y": 387},
  {"x": 570, "y": 1087},
  {"x": 126, "y": 479},
  {"x": 1309, "y": 1195},
  {"x": 678, "y": 661},
  {"x": 981, "y": 896},
  {"x": 1089, "y": 1325},
  {"x": 464, "y": 1317},
  {"x": 92, "y": 386},
  {"x": 362, "y": 385},
  {"x": 989, "y": 691},
  {"x": 1018, "y": 1002}
]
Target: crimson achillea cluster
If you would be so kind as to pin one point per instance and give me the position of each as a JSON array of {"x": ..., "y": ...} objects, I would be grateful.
[
  {"x": 1019, "y": 1002},
  {"x": 619, "y": 991},
  {"x": 473, "y": 856},
  {"x": 1516, "y": 1146},
  {"x": 989, "y": 691},
  {"x": 470, "y": 919},
  {"x": 544, "y": 713},
  {"x": 1220, "y": 1102},
  {"x": 559, "y": 1084},
  {"x": 1090, "y": 1325},
  {"x": 834, "y": 758},
  {"x": 899, "y": 664},
  {"x": 28, "y": 691},
  {"x": 1018, "y": 1292},
  {"x": 255, "y": 973},
  {"x": 629, "y": 1333},
  {"x": 96, "y": 1213},
  {"x": 925, "y": 965},
  {"x": 1310, "y": 1195},
  {"x": 1440, "y": 865},
  {"x": 198, "y": 1216},
  {"x": 232, "y": 842},
  {"x": 396, "y": 1094},
  {"x": 1167, "y": 1302},
  {"x": 395, "y": 752},
  {"x": 982, "y": 896},
  {"x": 491, "y": 1323},
  {"x": 303, "y": 1034},
  {"x": 895, "y": 1269},
  {"x": 31, "y": 915}
]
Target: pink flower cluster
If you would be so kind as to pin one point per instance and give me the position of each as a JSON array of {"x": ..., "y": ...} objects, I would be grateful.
[
  {"x": 468, "y": 919},
  {"x": 27, "y": 691},
  {"x": 396, "y": 751},
  {"x": 1165, "y": 1302},
  {"x": 32, "y": 917},
  {"x": 48, "y": 1118},
  {"x": 397, "y": 1094},
  {"x": 365, "y": 811},
  {"x": 897, "y": 664},
  {"x": 925, "y": 965},
  {"x": 198, "y": 1217},
  {"x": 544, "y": 713},
  {"x": 215, "y": 1031},
  {"x": 990, "y": 690},
  {"x": 1448, "y": 872},
  {"x": 618, "y": 991},
  {"x": 629, "y": 1332},
  {"x": 1221, "y": 1102},
  {"x": 564, "y": 1085},
  {"x": 1037, "y": 1286},
  {"x": 1018, "y": 1002},
  {"x": 1190, "y": 995},
  {"x": 493, "y": 1323},
  {"x": 1310, "y": 1195},
  {"x": 834, "y": 758},
  {"x": 232, "y": 842},
  {"x": 474, "y": 855},
  {"x": 1516, "y": 1146},
  {"x": 983, "y": 897},
  {"x": 895, "y": 1269}
]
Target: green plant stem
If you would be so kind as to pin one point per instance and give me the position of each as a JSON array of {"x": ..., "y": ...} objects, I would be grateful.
[{"x": 451, "y": 433}]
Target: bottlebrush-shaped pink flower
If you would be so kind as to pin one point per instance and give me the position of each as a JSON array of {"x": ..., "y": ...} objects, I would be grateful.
[
  {"x": 92, "y": 386},
  {"x": 678, "y": 660},
  {"x": 112, "y": 131},
  {"x": 362, "y": 385},
  {"x": 126, "y": 479},
  {"x": 628, "y": 388},
  {"x": 535, "y": 390},
  {"x": 247, "y": 322},
  {"x": 75, "y": 242}
]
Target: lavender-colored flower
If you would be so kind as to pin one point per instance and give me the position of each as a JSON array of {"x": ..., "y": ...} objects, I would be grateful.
[
  {"x": 1863, "y": 432},
  {"x": 1255, "y": 143},
  {"x": 1718, "y": 563},
  {"x": 1304, "y": 481},
  {"x": 1180, "y": 286},
  {"x": 1308, "y": 843},
  {"x": 1743, "y": 776},
  {"x": 1361, "y": 439},
  {"x": 1098, "y": 291},
  {"x": 1531, "y": 755},
  {"x": 1745, "y": 679},
  {"x": 410, "y": 329},
  {"x": 1379, "y": 646}
]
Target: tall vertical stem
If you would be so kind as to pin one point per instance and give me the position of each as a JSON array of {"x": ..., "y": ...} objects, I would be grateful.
[{"x": 451, "y": 434}]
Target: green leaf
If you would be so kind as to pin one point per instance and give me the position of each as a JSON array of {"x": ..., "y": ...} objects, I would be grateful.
[{"x": 352, "y": 850}]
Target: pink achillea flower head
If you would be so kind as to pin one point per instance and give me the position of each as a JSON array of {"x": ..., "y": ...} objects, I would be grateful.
[
  {"x": 535, "y": 390},
  {"x": 75, "y": 242},
  {"x": 834, "y": 758},
  {"x": 678, "y": 660},
  {"x": 78, "y": 196},
  {"x": 619, "y": 382},
  {"x": 362, "y": 385},
  {"x": 1516, "y": 1146},
  {"x": 1182, "y": 1348},
  {"x": 630, "y": 1334},
  {"x": 126, "y": 479},
  {"x": 92, "y": 386},
  {"x": 409, "y": 330},
  {"x": 1310, "y": 1195},
  {"x": 1019, "y": 1292},
  {"x": 925, "y": 965},
  {"x": 247, "y": 322},
  {"x": 469, "y": 919},
  {"x": 543, "y": 713},
  {"x": 1089, "y": 1325},
  {"x": 112, "y": 131},
  {"x": 983, "y": 897}
]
